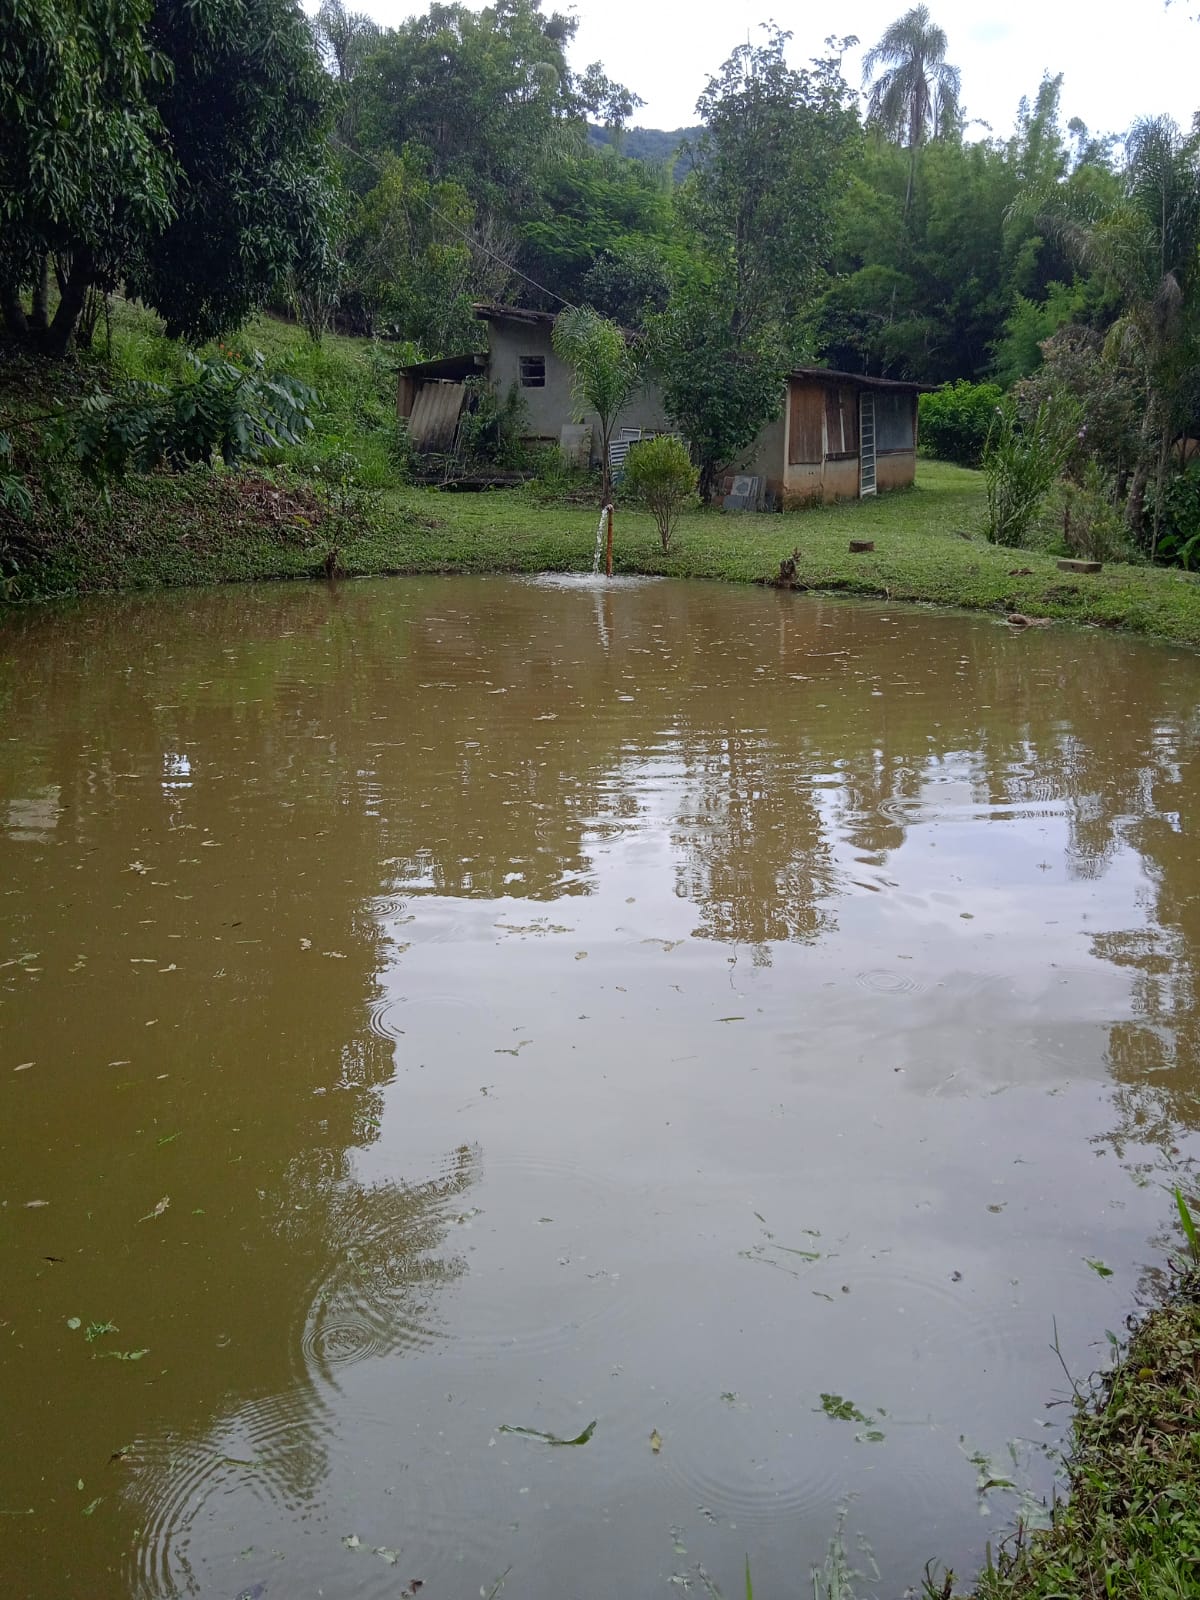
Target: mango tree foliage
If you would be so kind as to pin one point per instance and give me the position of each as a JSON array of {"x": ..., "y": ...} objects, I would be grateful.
[
  {"x": 245, "y": 111},
  {"x": 85, "y": 169},
  {"x": 407, "y": 260},
  {"x": 173, "y": 145}
]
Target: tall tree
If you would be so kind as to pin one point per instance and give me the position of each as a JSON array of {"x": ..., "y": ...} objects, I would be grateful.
[
  {"x": 915, "y": 93},
  {"x": 84, "y": 168},
  {"x": 175, "y": 145},
  {"x": 343, "y": 38},
  {"x": 759, "y": 207}
]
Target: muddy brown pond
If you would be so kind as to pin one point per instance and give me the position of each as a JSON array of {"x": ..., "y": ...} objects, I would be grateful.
[{"x": 754, "y": 1024}]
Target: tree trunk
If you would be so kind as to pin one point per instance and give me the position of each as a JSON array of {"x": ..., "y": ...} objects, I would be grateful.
[
  {"x": 15, "y": 319},
  {"x": 1135, "y": 506},
  {"x": 40, "y": 318},
  {"x": 70, "y": 308}
]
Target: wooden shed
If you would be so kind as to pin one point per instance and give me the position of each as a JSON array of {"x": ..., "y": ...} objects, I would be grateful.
[{"x": 842, "y": 436}]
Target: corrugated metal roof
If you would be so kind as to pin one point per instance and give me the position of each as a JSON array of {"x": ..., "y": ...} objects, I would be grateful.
[
  {"x": 487, "y": 312},
  {"x": 434, "y": 420},
  {"x": 454, "y": 367},
  {"x": 863, "y": 381}
]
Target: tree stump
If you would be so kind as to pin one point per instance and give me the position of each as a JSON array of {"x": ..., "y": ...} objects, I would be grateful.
[
  {"x": 861, "y": 547},
  {"x": 1080, "y": 566}
]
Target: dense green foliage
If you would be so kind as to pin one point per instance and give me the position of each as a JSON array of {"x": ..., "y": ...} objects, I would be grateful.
[
  {"x": 955, "y": 421},
  {"x": 759, "y": 209},
  {"x": 217, "y": 409},
  {"x": 175, "y": 145}
]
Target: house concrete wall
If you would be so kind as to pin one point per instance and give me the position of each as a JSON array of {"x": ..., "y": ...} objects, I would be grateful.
[
  {"x": 549, "y": 407},
  {"x": 767, "y": 456},
  {"x": 896, "y": 469}
]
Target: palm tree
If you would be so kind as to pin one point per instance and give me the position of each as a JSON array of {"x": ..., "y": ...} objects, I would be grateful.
[
  {"x": 915, "y": 92},
  {"x": 343, "y": 37},
  {"x": 607, "y": 370}
]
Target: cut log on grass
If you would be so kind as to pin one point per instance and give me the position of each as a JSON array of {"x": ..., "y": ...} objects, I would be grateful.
[
  {"x": 861, "y": 547},
  {"x": 1080, "y": 566}
]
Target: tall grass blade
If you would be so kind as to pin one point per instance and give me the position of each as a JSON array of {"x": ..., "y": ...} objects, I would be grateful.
[{"x": 1189, "y": 1226}]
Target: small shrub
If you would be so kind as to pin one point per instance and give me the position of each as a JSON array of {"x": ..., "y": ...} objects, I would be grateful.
[
  {"x": 955, "y": 421},
  {"x": 660, "y": 474},
  {"x": 217, "y": 408},
  {"x": 1179, "y": 532},
  {"x": 1021, "y": 460},
  {"x": 491, "y": 429},
  {"x": 1093, "y": 526}
]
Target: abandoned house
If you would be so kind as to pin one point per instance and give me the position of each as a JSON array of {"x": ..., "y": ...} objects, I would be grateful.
[
  {"x": 432, "y": 394},
  {"x": 840, "y": 436}
]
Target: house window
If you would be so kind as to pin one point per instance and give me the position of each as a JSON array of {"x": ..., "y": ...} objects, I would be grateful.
[
  {"x": 894, "y": 421},
  {"x": 533, "y": 372}
]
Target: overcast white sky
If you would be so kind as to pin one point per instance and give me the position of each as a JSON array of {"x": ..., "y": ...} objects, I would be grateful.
[{"x": 1122, "y": 58}]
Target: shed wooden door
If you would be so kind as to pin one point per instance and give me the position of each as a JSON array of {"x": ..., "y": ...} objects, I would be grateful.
[
  {"x": 806, "y": 440},
  {"x": 841, "y": 422}
]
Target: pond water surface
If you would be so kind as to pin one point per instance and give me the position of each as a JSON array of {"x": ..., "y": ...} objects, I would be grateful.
[{"x": 433, "y": 1006}]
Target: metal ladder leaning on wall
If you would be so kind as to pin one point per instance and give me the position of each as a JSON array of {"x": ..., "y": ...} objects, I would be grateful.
[{"x": 866, "y": 444}]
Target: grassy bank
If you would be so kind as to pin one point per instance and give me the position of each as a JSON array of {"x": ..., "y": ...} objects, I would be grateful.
[
  {"x": 338, "y": 501},
  {"x": 1130, "y": 1529}
]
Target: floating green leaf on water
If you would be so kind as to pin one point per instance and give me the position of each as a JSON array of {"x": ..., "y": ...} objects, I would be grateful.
[
  {"x": 158, "y": 1209},
  {"x": 169, "y": 1138},
  {"x": 97, "y": 1330},
  {"x": 121, "y": 1355},
  {"x": 1098, "y": 1267},
  {"x": 655, "y": 1441},
  {"x": 840, "y": 1409},
  {"x": 88, "y": 1509},
  {"x": 74, "y": 1322},
  {"x": 549, "y": 1438}
]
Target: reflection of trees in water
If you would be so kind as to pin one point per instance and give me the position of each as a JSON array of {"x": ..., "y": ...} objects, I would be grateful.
[
  {"x": 1155, "y": 1056},
  {"x": 375, "y": 1258},
  {"x": 377, "y": 1255},
  {"x": 751, "y": 854}
]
